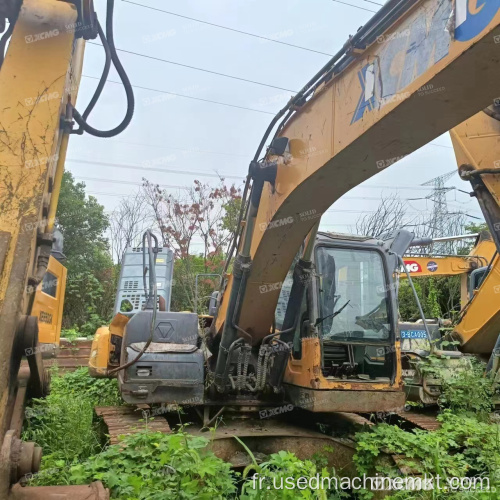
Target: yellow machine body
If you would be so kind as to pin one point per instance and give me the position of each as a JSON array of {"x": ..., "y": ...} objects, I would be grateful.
[
  {"x": 48, "y": 304},
  {"x": 333, "y": 147},
  {"x": 346, "y": 133},
  {"x": 374, "y": 109},
  {"x": 105, "y": 354},
  {"x": 477, "y": 144},
  {"x": 451, "y": 265},
  {"x": 40, "y": 72},
  {"x": 311, "y": 390}
]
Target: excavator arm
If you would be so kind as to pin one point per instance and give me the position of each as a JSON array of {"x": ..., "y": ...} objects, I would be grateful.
[
  {"x": 477, "y": 145},
  {"x": 414, "y": 71},
  {"x": 39, "y": 80},
  {"x": 38, "y": 77}
]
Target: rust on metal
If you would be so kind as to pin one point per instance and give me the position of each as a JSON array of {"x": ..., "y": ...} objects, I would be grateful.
[
  {"x": 266, "y": 436},
  {"x": 122, "y": 420},
  {"x": 93, "y": 491},
  {"x": 355, "y": 419},
  {"x": 19, "y": 457},
  {"x": 361, "y": 401},
  {"x": 404, "y": 464},
  {"x": 421, "y": 420},
  {"x": 17, "y": 418},
  {"x": 71, "y": 355}
]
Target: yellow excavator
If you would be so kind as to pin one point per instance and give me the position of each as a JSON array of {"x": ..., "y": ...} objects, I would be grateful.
[
  {"x": 420, "y": 339},
  {"x": 471, "y": 267},
  {"x": 315, "y": 344},
  {"x": 476, "y": 143},
  {"x": 368, "y": 107}
]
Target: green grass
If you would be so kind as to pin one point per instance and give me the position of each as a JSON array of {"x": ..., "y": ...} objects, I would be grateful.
[
  {"x": 64, "y": 423},
  {"x": 151, "y": 465}
]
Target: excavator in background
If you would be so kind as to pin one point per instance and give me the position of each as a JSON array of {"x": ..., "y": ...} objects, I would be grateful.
[
  {"x": 477, "y": 144},
  {"x": 477, "y": 332},
  {"x": 369, "y": 106},
  {"x": 131, "y": 297},
  {"x": 48, "y": 302},
  {"x": 471, "y": 267}
]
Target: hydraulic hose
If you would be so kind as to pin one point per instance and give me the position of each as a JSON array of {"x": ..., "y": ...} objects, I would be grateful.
[
  {"x": 153, "y": 294},
  {"x": 109, "y": 47},
  {"x": 102, "y": 81}
]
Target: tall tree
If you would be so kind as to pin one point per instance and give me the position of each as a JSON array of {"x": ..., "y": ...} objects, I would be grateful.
[
  {"x": 197, "y": 224},
  {"x": 127, "y": 223},
  {"x": 91, "y": 279},
  {"x": 389, "y": 216}
]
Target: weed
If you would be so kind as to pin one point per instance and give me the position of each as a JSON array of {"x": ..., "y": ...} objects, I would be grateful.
[
  {"x": 462, "y": 447},
  {"x": 100, "y": 391},
  {"x": 64, "y": 423},
  {"x": 70, "y": 334},
  {"x": 275, "y": 477},
  {"x": 153, "y": 465},
  {"x": 468, "y": 390}
]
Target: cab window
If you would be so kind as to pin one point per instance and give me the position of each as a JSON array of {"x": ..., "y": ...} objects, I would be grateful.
[
  {"x": 352, "y": 295},
  {"x": 49, "y": 284}
]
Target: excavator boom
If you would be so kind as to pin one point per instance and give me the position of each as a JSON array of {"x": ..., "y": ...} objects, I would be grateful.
[
  {"x": 393, "y": 87},
  {"x": 477, "y": 145}
]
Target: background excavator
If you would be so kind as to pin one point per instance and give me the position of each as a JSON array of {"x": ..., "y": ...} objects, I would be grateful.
[{"x": 359, "y": 113}]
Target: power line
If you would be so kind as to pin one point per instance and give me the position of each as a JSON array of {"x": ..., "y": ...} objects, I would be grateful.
[
  {"x": 355, "y": 6},
  {"x": 155, "y": 169},
  {"x": 332, "y": 210},
  {"x": 229, "y": 176},
  {"x": 231, "y": 29},
  {"x": 116, "y": 181},
  {"x": 181, "y": 149},
  {"x": 373, "y": 186},
  {"x": 340, "y": 210},
  {"x": 213, "y": 102},
  {"x": 220, "y": 152},
  {"x": 197, "y": 69},
  {"x": 225, "y": 154},
  {"x": 375, "y": 3},
  {"x": 186, "y": 96}
]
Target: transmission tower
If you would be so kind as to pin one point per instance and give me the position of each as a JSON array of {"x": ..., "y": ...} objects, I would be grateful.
[{"x": 442, "y": 222}]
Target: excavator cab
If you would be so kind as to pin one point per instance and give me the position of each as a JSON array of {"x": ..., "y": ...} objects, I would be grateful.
[{"x": 347, "y": 335}]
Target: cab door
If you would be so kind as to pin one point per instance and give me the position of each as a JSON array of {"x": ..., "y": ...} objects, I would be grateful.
[{"x": 49, "y": 302}]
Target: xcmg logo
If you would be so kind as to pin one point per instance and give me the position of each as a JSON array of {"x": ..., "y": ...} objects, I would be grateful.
[
  {"x": 472, "y": 16},
  {"x": 412, "y": 266},
  {"x": 403, "y": 59}
]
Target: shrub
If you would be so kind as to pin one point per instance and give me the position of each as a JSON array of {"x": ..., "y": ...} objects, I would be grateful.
[
  {"x": 462, "y": 447},
  {"x": 64, "y": 423},
  {"x": 153, "y": 465}
]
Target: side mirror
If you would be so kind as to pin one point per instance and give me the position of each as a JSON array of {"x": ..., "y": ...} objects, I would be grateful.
[{"x": 279, "y": 146}]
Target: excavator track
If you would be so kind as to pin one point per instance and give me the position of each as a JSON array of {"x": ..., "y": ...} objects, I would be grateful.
[
  {"x": 71, "y": 355},
  {"x": 122, "y": 420},
  {"x": 425, "y": 421}
]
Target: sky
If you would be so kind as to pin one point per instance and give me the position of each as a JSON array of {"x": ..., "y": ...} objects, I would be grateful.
[{"x": 202, "y": 139}]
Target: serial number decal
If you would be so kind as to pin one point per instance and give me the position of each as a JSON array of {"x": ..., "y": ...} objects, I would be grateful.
[{"x": 413, "y": 334}]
